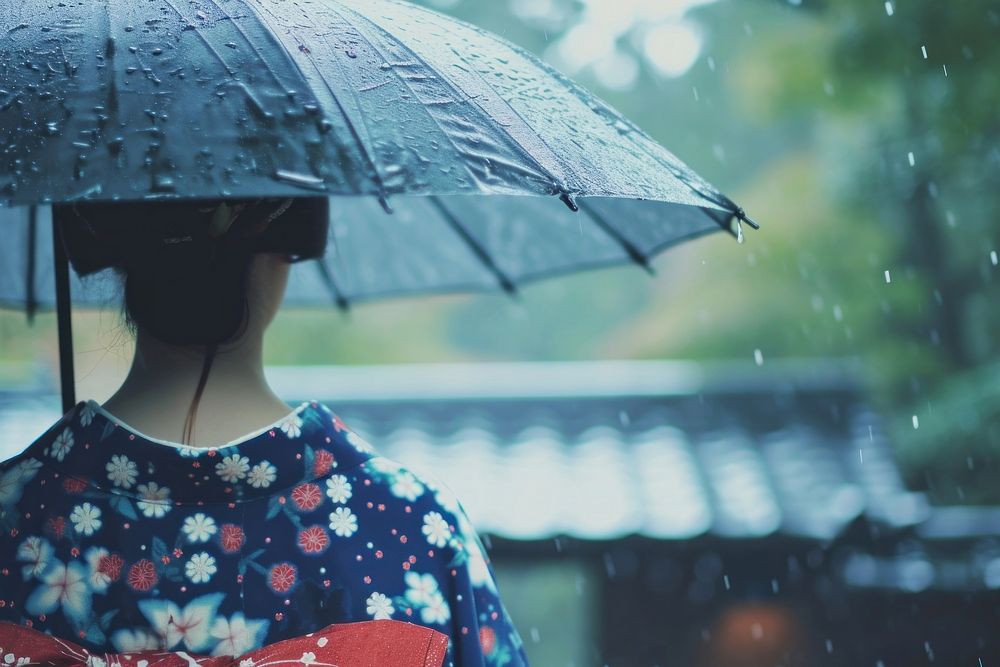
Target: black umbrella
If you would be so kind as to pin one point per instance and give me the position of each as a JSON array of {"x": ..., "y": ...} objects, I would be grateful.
[{"x": 496, "y": 168}]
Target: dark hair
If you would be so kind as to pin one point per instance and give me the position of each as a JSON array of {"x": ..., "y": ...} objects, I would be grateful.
[{"x": 185, "y": 264}]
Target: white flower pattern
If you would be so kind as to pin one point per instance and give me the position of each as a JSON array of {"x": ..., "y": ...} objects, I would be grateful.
[
  {"x": 200, "y": 568},
  {"x": 62, "y": 445},
  {"x": 262, "y": 475},
  {"x": 86, "y": 519},
  {"x": 199, "y": 527},
  {"x": 436, "y": 529},
  {"x": 155, "y": 501},
  {"x": 379, "y": 606},
  {"x": 232, "y": 468},
  {"x": 338, "y": 489},
  {"x": 121, "y": 471},
  {"x": 180, "y": 535},
  {"x": 343, "y": 522}
]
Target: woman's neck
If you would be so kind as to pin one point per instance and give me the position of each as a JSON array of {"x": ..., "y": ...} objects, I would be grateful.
[{"x": 157, "y": 393}]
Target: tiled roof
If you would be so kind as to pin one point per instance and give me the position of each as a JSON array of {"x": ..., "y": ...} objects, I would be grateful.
[{"x": 605, "y": 450}]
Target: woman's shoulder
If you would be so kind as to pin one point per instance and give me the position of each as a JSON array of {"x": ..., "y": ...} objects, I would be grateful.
[{"x": 415, "y": 492}]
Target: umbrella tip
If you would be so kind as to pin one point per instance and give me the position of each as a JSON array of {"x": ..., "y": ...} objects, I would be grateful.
[
  {"x": 385, "y": 204},
  {"x": 742, "y": 215},
  {"x": 570, "y": 201}
]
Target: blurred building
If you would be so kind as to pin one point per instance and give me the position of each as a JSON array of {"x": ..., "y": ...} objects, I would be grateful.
[{"x": 664, "y": 513}]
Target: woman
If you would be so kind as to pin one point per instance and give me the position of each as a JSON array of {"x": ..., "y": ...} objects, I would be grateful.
[{"x": 196, "y": 511}]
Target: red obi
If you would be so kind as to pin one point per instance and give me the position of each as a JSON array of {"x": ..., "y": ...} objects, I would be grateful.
[{"x": 382, "y": 643}]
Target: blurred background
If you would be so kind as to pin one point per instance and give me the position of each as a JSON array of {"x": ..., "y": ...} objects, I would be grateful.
[{"x": 785, "y": 452}]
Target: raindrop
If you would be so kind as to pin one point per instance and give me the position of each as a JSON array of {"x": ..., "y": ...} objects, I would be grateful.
[
  {"x": 231, "y": 45},
  {"x": 623, "y": 418},
  {"x": 296, "y": 178},
  {"x": 758, "y": 357},
  {"x": 725, "y": 581},
  {"x": 993, "y": 257},
  {"x": 945, "y": 68},
  {"x": 923, "y": 50},
  {"x": 351, "y": 53},
  {"x": 829, "y": 646},
  {"x": 888, "y": 8},
  {"x": 916, "y": 422},
  {"x": 52, "y": 128},
  {"x": 909, "y": 156},
  {"x": 201, "y": 15},
  {"x": 163, "y": 183},
  {"x": 609, "y": 565},
  {"x": 711, "y": 63},
  {"x": 838, "y": 313},
  {"x": 888, "y": 278},
  {"x": 535, "y": 636},
  {"x": 157, "y": 51}
]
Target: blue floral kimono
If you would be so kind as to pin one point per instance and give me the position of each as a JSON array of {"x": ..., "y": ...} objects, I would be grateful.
[{"x": 121, "y": 542}]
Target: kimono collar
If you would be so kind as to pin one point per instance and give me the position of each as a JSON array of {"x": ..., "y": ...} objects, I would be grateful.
[{"x": 90, "y": 445}]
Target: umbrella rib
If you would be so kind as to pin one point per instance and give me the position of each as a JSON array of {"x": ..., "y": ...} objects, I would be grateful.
[
  {"x": 559, "y": 182},
  {"x": 585, "y": 95},
  {"x": 331, "y": 284},
  {"x": 630, "y": 248},
  {"x": 366, "y": 154},
  {"x": 477, "y": 249},
  {"x": 715, "y": 196}
]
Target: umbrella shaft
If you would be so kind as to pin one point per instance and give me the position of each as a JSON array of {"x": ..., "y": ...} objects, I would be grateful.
[{"x": 64, "y": 320}]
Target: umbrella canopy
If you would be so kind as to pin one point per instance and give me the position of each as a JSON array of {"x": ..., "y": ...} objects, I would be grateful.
[{"x": 496, "y": 168}]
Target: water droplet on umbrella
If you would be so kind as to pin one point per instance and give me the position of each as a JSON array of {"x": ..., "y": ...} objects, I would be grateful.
[
  {"x": 163, "y": 183},
  {"x": 296, "y": 178}
]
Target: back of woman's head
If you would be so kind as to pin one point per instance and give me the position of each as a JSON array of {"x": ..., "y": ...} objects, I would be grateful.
[{"x": 185, "y": 266}]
